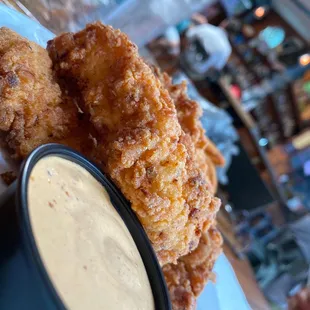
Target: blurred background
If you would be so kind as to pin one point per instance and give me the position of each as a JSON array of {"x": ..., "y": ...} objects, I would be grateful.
[{"x": 248, "y": 65}]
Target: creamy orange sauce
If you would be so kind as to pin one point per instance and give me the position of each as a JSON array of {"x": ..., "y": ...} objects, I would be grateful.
[{"x": 85, "y": 246}]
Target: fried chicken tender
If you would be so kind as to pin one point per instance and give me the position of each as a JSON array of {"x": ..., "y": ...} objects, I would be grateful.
[
  {"x": 32, "y": 111},
  {"x": 140, "y": 143},
  {"x": 189, "y": 113},
  {"x": 187, "y": 279}
]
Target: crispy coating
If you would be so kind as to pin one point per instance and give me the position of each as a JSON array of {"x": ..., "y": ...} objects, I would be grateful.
[
  {"x": 179, "y": 285},
  {"x": 189, "y": 113},
  {"x": 187, "y": 279},
  {"x": 32, "y": 111},
  {"x": 140, "y": 143},
  {"x": 207, "y": 165}
]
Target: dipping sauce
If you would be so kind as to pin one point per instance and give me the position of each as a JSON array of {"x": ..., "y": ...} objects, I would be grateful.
[{"x": 87, "y": 250}]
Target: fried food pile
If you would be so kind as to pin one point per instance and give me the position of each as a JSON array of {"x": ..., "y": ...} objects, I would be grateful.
[{"x": 93, "y": 92}]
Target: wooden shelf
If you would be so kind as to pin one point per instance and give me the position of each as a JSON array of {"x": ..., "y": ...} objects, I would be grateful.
[
  {"x": 271, "y": 19},
  {"x": 253, "y": 132}
]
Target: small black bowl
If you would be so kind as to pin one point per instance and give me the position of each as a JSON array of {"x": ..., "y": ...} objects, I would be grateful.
[{"x": 24, "y": 281}]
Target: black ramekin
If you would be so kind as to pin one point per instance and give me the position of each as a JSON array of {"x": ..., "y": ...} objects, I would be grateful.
[{"x": 24, "y": 281}]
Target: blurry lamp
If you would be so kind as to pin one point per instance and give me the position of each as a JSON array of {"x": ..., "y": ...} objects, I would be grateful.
[
  {"x": 302, "y": 141},
  {"x": 260, "y": 12},
  {"x": 304, "y": 60},
  {"x": 263, "y": 142},
  {"x": 272, "y": 36},
  {"x": 228, "y": 208}
]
